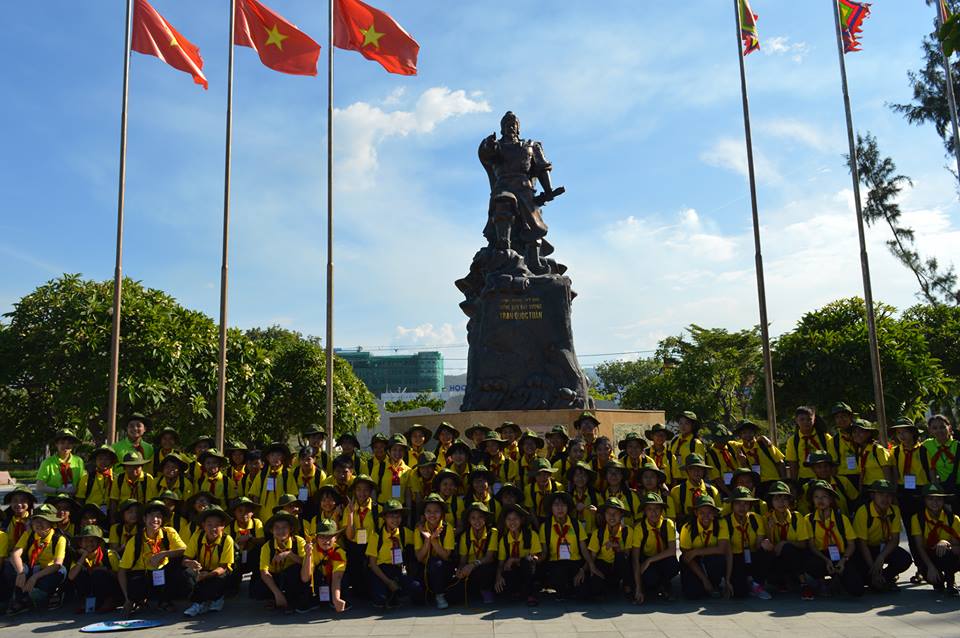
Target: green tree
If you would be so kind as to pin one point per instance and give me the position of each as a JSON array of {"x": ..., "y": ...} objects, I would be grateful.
[
  {"x": 826, "y": 360},
  {"x": 422, "y": 400},
  {"x": 614, "y": 377},
  {"x": 295, "y": 397},
  {"x": 940, "y": 326}
]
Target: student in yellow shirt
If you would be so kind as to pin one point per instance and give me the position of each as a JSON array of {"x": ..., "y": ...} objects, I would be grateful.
[
  {"x": 417, "y": 437},
  {"x": 281, "y": 558},
  {"x": 602, "y": 456},
  {"x": 253, "y": 465},
  {"x": 654, "y": 554},
  {"x": 375, "y": 465},
  {"x": 237, "y": 470},
  {"x": 911, "y": 478},
  {"x": 790, "y": 534},
  {"x": 434, "y": 545},
  {"x": 330, "y": 507},
  {"x": 248, "y": 536},
  {"x": 148, "y": 567},
  {"x": 504, "y": 469},
  {"x": 936, "y": 534},
  {"x": 458, "y": 462},
  {"x": 390, "y": 473},
  {"x": 94, "y": 574},
  {"x": 166, "y": 442},
  {"x": 129, "y": 514},
  {"x": 20, "y": 503},
  {"x": 511, "y": 433},
  {"x": 388, "y": 556},
  {"x": 541, "y": 485},
  {"x": 834, "y": 541},
  {"x": 873, "y": 459},
  {"x": 518, "y": 553},
  {"x": 361, "y": 521},
  {"x": 659, "y": 450},
  {"x": 444, "y": 435},
  {"x": 67, "y": 510},
  {"x": 192, "y": 509},
  {"x": 175, "y": 516},
  {"x": 557, "y": 439},
  {"x": 750, "y": 549},
  {"x": 609, "y": 551},
  {"x": 653, "y": 479},
  {"x": 808, "y": 438},
  {"x": 687, "y": 441},
  {"x": 195, "y": 469},
  {"x": 97, "y": 481},
  {"x": 133, "y": 483},
  {"x": 308, "y": 477},
  {"x": 615, "y": 486},
  {"x": 580, "y": 486},
  {"x": 171, "y": 476},
  {"x": 631, "y": 455},
  {"x": 843, "y": 448},
  {"x": 316, "y": 437},
  {"x": 684, "y": 497},
  {"x": 323, "y": 569},
  {"x": 510, "y": 495},
  {"x": 576, "y": 453},
  {"x": 878, "y": 523},
  {"x": 564, "y": 543},
  {"x": 704, "y": 552},
  {"x": 747, "y": 478},
  {"x": 476, "y": 433},
  {"x": 724, "y": 457},
  {"x": 824, "y": 469},
  {"x": 447, "y": 485},
  {"x": 587, "y": 427},
  {"x": 418, "y": 483},
  {"x": 91, "y": 515},
  {"x": 290, "y": 504},
  {"x": 214, "y": 479},
  {"x": 761, "y": 455},
  {"x": 477, "y": 549},
  {"x": 531, "y": 445},
  {"x": 341, "y": 477},
  {"x": 350, "y": 448},
  {"x": 274, "y": 480},
  {"x": 37, "y": 560},
  {"x": 208, "y": 562}
]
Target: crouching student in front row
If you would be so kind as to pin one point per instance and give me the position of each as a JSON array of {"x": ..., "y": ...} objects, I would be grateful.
[
  {"x": 564, "y": 545},
  {"x": 477, "y": 549},
  {"x": 609, "y": 551},
  {"x": 208, "y": 561},
  {"x": 517, "y": 553},
  {"x": 834, "y": 542},
  {"x": 704, "y": 552},
  {"x": 387, "y": 553},
  {"x": 94, "y": 576},
  {"x": 877, "y": 524},
  {"x": 750, "y": 548},
  {"x": 789, "y": 531},
  {"x": 323, "y": 569},
  {"x": 37, "y": 560},
  {"x": 654, "y": 550},
  {"x": 278, "y": 580},
  {"x": 147, "y": 568},
  {"x": 936, "y": 535},
  {"x": 433, "y": 545}
]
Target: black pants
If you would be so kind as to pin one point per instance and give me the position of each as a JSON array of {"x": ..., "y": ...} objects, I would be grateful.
[
  {"x": 559, "y": 574},
  {"x": 714, "y": 566},
  {"x": 791, "y": 563},
  {"x": 240, "y": 567},
  {"x": 140, "y": 585},
  {"x": 100, "y": 583},
  {"x": 896, "y": 563},
  {"x": 358, "y": 571},
  {"x": 743, "y": 573},
  {"x": 659, "y": 575},
  {"x": 208, "y": 589},
  {"x": 409, "y": 585},
  {"x": 911, "y": 504},
  {"x": 851, "y": 579},
  {"x": 289, "y": 583},
  {"x": 436, "y": 575},
  {"x": 320, "y": 580},
  {"x": 520, "y": 580},
  {"x": 480, "y": 580},
  {"x": 617, "y": 574},
  {"x": 948, "y": 565}
]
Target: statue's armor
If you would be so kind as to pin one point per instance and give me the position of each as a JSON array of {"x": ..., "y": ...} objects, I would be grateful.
[{"x": 513, "y": 168}]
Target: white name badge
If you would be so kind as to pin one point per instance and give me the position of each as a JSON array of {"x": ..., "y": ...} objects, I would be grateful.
[
  {"x": 563, "y": 552},
  {"x": 90, "y": 605},
  {"x": 496, "y": 487},
  {"x": 324, "y": 594},
  {"x": 755, "y": 468},
  {"x": 747, "y": 558},
  {"x": 303, "y": 494},
  {"x": 271, "y": 484},
  {"x": 910, "y": 481},
  {"x": 159, "y": 578},
  {"x": 727, "y": 477},
  {"x": 834, "y": 553},
  {"x": 361, "y": 537},
  {"x": 395, "y": 491},
  {"x": 851, "y": 462},
  {"x": 397, "y": 556},
  {"x": 243, "y": 556}
]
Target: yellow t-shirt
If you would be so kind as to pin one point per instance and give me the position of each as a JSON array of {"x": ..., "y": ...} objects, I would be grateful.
[
  {"x": 900, "y": 456},
  {"x": 4, "y": 544},
  {"x": 658, "y": 537},
  {"x": 124, "y": 488},
  {"x": 844, "y": 451},
  {"x": 881, "y": 526},
  {"x": 693, "y": 536},
  {"x": 167, "y": 540},
  {"x": 613, "y": 542},
  {"x": 759, "y": 461},
  {"x": 388, "y": 488},
  {"x": 211, "y": 555},
  {"x": 871, "y": 462},
  {"x": 475, "y": 547},
  {"x": 511, "y": 546},
  {"x": 307, "y": 486},
  {"x": 744, "y": 536},
  {"x": 110, "y": 560},
  {"x": 795, "y": 529},
  {"x": 50, "y": 551},
  {"x": 828, "y": 532},
  {"x": 268, "y": 486},
  {"x": 366, "y": 517},
  {"x": 99, "y": 486},
  {"x": 182, "y": 486},
  {"x": 295, "y": 544},
  {"x": 382, "y": 544},
  {"x": 120, "y": 534},
  {"x": 447, "y": 537},
  {"x": 943, "y": 524},
  {"x": 799, "y": 448},
  {"x": 684, "y": 495},
  {"x": 333, "y": 562},
  {"x": 553, "y": 540}
]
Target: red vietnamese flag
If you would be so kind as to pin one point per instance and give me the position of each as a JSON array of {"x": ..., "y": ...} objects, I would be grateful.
[
  {"x": 280, "y": 45},
  {"x": 377, "y": 36},
  {"x": 152, "y": 35}
]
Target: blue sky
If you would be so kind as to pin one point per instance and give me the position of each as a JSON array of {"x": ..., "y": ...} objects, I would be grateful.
[{"x": 638, "y": 107}]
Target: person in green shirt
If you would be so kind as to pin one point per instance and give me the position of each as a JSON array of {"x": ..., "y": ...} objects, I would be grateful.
[
  {"x": 61, "y": 473},
  {"x": 941, "y": 453},
  {"x": 136, "y": 426}
]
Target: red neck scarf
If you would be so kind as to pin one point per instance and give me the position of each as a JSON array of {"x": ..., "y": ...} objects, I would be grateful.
[{"x": 66, "y": 472}]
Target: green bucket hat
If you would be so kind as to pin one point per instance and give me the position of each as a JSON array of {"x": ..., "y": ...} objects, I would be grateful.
[
  {"x": 392, "y": 506},
  {"x": 436, "y": 499},
  {"x": 658, "y": 428},
  {"x": 89, "y": 531},
  {"x": 285, "y": 500},
  {"x": 478, "y": 507},
  {"x": 127, "y": 504},
  {"x": 819, "y": 457},
  {"x": 586, "y": 415},
  {"x": 839, "y": 408},
  {"x": 166, "y": 430},
  {"x": 427, "y": 459},
  {"x": 530, "y": 434},
  {"x": 882, "y": 486},
  {"x": 903, "y": 423},
  {"x": 630, "y": 438},
  {"x": 509, "y": 425},
  {"x": 155, "y": 506},
  {"x": 745, "y": 471},
  {"x": 289, "y": 518},
  {"x": 243, "y": 501},
  {"x": 234, "y": 446},
  {"x": 721, "y": 433},
  {"x": 823, "y": 486},
  {"x": 379, "y": 437},
  {"x": 558, "y": 430},
  {"x": 538, "y": 465},
  {"x": 56, "y": 499},
  {"x": 327, "y": 528},
  {"x": 446, "y": 427},
  {"x": 459, "y": 444},
  {"x": 742, "y": 494},
  {"x": 745, "y": 424},
  {"x": 509, "y": 487},
  {"x": 933, "y": 489},
  {"x": 476, "y": 427},
  {"x": 397, "y": 439},
  {"x": 691, "y": 416},
  {"x": 46, "y": 512},
  {"x": 104, "y": 449},
  {"x": 277, "y": 446},
  {"x": 416, "y": 427},
  {"x": 612, "y": 503},
  {"x": 549, "y": 500},
  {"x": 214, "y": 510},
  {"x": 173, "y": 457},
  {"x": 650, "y": 466},
  {"x": 66, "y": 433},
  {"x": 652, "y": 498},
  {"x": 695, "y": 460},
  {"x": 133, "y": 459},
  {"x": 315, "y": 430},
  {"x": 493, "y": 435},
  {"x": 482, "y": 470},
  {"x": 168, "y": 495},
  {"x": 331, "y": 491},
  {"x": 444, "y": 474},
  {"x": 138, "y": 416},
  {"x": 618, "y": 466},
  {"x": 363, "y": 478},
  {"x": 215, "y": 454},
  {"x": 584, "y": 467},
  {"x": 863, "y": 424},
  {"x": 780, "y": 488},
  {"x": 348, "y": 436},
  {"x": 203, "y": 438},
  {"x": 705, "y": 500},
  {"x": 20, "y": 490}
]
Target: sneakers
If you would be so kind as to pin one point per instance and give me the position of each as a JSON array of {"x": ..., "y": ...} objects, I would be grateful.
[
  {"x": 216, "y": 605},
  {"x": 806, "y": 592},
  {"x": 196, "y": 609},
  {"x": 442, "y": 602},
  {"x": 306, "y": 608},
  {"x": 487, "y": 596},
  {"x": 757, "y": 591}
]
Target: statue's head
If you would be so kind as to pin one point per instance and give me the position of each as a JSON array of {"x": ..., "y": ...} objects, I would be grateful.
[{"x": 510, "y": 126}]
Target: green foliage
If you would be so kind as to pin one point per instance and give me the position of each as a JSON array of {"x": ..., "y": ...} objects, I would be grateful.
[
  {"x": 950, "y": 35},
  {"x": 615, "y": 376},
  {"x": 826, "y": 359},
  {"x": 940, "y": 326},
  {"x": 422, "y": 400},
  {"x": 54, "y": 367}
]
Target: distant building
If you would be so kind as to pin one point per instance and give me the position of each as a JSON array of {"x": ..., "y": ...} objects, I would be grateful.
[{"x": 420, "y": 372}]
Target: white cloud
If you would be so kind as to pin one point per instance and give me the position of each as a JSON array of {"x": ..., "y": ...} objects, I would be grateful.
[
  {"x": 731, "y": 154},
  {"x": 781, "y": 45},
  {"x": 801, "y": 132},
  {"x": 427, "y": 334},
  {"x": 361, "y": 127}
]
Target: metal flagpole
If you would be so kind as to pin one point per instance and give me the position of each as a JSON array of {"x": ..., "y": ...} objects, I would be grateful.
[
  {"x": 118, "y": 268},
  {"x": 329, "y": 338},
  {"x": 758, "y": 258},
  {"x": 951, "y": 96},
  {"x": 864, "y": 261},
  {"x": 222, "y": 364}
]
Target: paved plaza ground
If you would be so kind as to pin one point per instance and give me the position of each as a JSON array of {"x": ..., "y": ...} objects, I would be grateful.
[{"x": 915, "y": 611}]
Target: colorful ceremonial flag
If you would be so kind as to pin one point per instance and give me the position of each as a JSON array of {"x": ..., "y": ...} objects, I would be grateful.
[
  {"x": 852, "y": 15},
  {"x": 748, "y": 28},
  {"x": 377, "y": 36},
  {"x": 280, "y": 45},
  {"x": 153, "y": 35}
]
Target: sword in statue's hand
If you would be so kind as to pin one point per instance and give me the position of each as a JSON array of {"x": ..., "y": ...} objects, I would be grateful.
[{"x": 545, "y": 197}]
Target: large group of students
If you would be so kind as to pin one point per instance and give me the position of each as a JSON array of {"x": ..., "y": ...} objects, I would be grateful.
[{"x": 486, "y": 515}]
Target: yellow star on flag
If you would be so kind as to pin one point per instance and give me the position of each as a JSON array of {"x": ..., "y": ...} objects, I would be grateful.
[
  {"x": 371, "y": 36},
  {"x": 275, "y": 37},
  {"x": 174, "y": 43}
]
